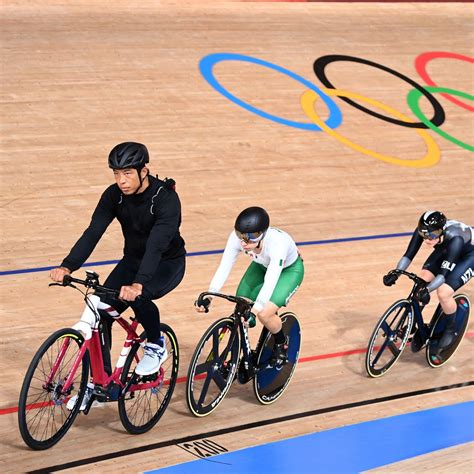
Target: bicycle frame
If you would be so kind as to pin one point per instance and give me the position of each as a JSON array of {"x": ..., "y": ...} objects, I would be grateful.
[
  {"x": 418, "y": 318},
  {"x": 241, "y": 311},
  {"x": 415, "y": 304},
  {"x": 93, "y": 345}
]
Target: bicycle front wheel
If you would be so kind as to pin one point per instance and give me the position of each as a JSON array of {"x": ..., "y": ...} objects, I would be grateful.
[
  {"x": 141, "y": 408},
  {"x": 42, "y": 414},
  {"x": 213, "y": 367},
  {"x": 270, "y": 382},
  {"x": 389, "y": 338}
]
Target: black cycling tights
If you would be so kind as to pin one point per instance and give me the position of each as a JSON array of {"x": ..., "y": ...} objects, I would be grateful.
[{"x": 166, "y": 278}]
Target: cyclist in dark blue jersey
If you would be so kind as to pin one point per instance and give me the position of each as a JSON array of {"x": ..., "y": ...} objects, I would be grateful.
[
  {"x": 153, "y": 263},
  {"x": 448, "y": 268}
]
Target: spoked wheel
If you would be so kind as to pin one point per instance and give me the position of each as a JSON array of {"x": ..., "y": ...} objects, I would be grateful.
[
  {"x": 270, "y": 382},
  {"x": 213, "y": 366},
  {"x": 145, "y": 402},
  {"x": 435, "y": 356},
  {"x": 42, "y": 414},
  {"x": 389, "y": 338}
]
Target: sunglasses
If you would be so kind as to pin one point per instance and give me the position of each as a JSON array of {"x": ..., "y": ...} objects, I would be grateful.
[
  {"x": 249, "y": 237},
  {"x": 434, "y": 234}
]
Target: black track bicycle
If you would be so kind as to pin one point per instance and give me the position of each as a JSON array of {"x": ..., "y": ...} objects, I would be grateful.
[
  {"x": 224, "y": 354},
  {"x": 402, "y": 320}
]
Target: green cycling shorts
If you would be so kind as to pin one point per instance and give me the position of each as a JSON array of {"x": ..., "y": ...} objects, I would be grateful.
[{"x": 289, "y": 281}]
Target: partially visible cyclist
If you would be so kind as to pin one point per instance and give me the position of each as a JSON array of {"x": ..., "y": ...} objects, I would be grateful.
[
  {"x": 149, "y": 212},
  {"x": 448, "y": 268},
  {"x": 273, "y": 277}
]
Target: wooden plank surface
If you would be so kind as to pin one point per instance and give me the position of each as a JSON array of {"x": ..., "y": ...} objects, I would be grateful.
[{"x": 79, "y": 78}]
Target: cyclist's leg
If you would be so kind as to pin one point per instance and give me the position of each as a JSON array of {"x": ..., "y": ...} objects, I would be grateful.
[
  {"x": 252, "y": 281},
  {"x": 432, "y": 265},
  {"x": 287, "y": 285},
  {"x": 426, "y": 275},
  {"x": 167, "y": 277},
  {"x": 250, "y": 287},
  {"x": 111, "y": 308},
  {"x": 430, "y": 268},
  {"x": 289, "y": 281},
  {"x": 458, "y": 277}
]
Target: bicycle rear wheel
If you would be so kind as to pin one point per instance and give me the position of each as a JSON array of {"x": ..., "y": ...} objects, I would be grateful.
[
  {"x": 213, "y": 366},
  {"x": 389, "y": 338},
  {"x": 141, "y": 409},
  {"x": 43, "y": 418},
  {"x": 434, "y": 356},
  {"x": 270, "y": 382}
]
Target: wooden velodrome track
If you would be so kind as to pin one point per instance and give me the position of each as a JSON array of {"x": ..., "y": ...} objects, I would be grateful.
[{"x": 79, "y": 77}]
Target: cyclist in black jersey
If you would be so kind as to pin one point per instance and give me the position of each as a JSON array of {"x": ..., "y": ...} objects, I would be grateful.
[
  {"x": 448, "y": 268},
  {"x": 153, "y": 263}
]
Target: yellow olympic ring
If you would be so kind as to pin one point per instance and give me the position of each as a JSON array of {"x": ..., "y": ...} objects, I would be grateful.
[{"x": 308, "y": 100}]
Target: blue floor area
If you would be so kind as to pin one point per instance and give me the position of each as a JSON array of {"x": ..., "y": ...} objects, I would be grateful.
[{"x": 349, "y": 449}]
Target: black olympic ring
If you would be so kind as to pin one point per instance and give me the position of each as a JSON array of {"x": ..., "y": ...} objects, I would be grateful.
[{"x": 320, "y": 65}]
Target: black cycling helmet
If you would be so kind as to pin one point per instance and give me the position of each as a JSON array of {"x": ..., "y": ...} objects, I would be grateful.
[
  {"x": 431, "y": 224},
  {"x": 251, "y": 224},
  {"x": 128, "y": 155}
]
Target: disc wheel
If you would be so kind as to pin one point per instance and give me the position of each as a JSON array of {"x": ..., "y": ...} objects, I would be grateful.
[
  {"x": 435, "y": 357},
  {"x": 270, "y": 382}
]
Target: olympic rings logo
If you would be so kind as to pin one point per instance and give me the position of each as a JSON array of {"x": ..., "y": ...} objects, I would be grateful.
[{"x": 393, "y": 116}]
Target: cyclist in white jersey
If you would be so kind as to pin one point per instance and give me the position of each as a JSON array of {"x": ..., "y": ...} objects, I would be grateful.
[{"x": 273, "y": 277}]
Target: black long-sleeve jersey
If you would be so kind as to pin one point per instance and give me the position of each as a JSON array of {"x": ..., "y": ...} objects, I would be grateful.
[
  {"x": 458, "y": 241},
  {"x": 150, "y": 225}
]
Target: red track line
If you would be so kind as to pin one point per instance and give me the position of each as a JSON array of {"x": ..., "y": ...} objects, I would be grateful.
[{"x": 6, "y": 411}]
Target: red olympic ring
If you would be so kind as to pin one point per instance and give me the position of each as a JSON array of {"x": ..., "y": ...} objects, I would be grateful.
[{"x": 424, "y": 58}]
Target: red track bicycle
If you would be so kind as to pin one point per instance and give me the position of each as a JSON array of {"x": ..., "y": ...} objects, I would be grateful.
[{"x": 60, "y": 370}]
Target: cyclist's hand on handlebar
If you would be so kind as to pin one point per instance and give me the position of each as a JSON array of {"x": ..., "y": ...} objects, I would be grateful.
[
  {"x": 57, "y": 274},
  {"x": 423, "y": 295},
  {"x": 202, "y": 306},
  {"x": 131, "y": 292},
  {"x": 390, "y": 278}
]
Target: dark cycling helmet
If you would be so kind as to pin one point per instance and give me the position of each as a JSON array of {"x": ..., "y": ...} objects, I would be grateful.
[
  {"x": 251, "y": 224},
  {"x": 431, "y": 224},
  {"x": 128, "y": 155}
]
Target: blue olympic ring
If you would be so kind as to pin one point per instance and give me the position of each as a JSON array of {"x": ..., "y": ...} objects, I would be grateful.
[{"x": 206, "y": 67}]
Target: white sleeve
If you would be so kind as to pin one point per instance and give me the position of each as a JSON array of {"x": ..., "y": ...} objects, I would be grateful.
[
  {"x": 231, "y": 252},
  {"x": 271, "y": 279}
]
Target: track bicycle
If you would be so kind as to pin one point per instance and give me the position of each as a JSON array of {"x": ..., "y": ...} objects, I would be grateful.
[
  {"x": 60, "y": 370},
  {"x": 402, "y": 319},
  {"x": 224, "y": 354}
]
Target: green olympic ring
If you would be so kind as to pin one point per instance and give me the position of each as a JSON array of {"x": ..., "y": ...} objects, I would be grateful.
[{"x": 413, "y": 101}]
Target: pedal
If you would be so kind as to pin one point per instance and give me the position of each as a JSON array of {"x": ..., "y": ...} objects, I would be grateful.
[
  {"x": 149, "y": 378},
  {"x": 99, "y": 394},
  {"x": 89, "y": 404}
]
